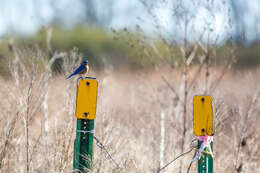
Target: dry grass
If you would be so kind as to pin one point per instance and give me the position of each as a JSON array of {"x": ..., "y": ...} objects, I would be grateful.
[{"x": 38, "y": 125}]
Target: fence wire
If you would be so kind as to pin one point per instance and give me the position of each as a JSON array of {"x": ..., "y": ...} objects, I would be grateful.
[
  {"x": 102, "y": 146},
  {"x": 181, "y": 155}
]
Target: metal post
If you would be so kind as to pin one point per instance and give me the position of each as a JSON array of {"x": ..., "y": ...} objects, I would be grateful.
[
  {"x": 205, "y": 164},
  {"x": 85, "y": 113},
  {"x": 204, "y": 126},
  {"x": 83, "y": 147}
]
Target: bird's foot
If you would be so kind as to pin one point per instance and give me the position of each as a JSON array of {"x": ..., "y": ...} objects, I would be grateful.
[{"x": 80, "y": 78}]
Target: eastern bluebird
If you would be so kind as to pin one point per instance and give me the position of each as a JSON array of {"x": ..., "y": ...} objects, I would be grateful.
[{"x": 82, "y": 69}]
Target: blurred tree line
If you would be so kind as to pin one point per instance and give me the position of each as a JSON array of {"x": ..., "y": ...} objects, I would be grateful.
[
  {"x": 128, "y": 46},
  {"x": 123, "y": 47}
]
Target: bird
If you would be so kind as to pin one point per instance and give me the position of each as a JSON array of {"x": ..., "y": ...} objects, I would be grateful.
[{"x": 82, "y": 69}]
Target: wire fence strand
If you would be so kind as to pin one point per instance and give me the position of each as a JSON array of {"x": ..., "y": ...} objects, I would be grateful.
[
  {"x": 181, "y": 155},
  {"x": 102, "y": 146}
]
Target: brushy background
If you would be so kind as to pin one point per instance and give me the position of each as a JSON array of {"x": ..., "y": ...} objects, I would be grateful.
[
  {"x": 140, "y": 116},
  {"x": 144, "y": 112}
]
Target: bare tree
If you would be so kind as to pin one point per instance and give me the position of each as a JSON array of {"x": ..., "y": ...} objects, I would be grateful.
[{"x": 186, "y": 43}]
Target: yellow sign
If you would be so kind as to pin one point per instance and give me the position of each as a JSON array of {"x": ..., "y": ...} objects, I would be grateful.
[
  {"x": 86, "y": 102},
  {"x": 203, "y": 115}
]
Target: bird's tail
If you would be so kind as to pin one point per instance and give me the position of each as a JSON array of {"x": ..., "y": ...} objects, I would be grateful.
[{"x": 70, "y": 76}]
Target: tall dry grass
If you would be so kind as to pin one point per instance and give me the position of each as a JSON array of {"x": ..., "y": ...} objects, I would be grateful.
[{"x": 139, "y": 117}]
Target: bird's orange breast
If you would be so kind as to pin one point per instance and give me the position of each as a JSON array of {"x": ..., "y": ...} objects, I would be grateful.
[{"x": 85, "y": 70}]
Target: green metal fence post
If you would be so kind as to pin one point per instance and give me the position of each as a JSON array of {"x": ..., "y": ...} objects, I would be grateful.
[
  {"x": 205, "y": 164},
  {"x": 83, "y": 146},
  {"x": 85, "y": 113},
  {"x": 204, "y": 126}
]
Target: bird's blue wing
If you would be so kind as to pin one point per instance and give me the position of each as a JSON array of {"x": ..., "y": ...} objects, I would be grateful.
[{"x": 78, "y": 70}]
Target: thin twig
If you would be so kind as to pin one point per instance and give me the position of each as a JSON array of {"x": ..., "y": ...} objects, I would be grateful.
[
  {"x": 171, "y": 87},
  {"x": 8, "y": 139},
  {"x": 217, "y": 82}
]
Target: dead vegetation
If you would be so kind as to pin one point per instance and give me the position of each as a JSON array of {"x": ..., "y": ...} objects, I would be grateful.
[{"x": 144, "y": 118}]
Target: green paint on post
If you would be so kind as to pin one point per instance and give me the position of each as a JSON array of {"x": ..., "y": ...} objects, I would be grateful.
[
  {"x": 205, "y": 164},
  {"x": 83, "y": 146}
]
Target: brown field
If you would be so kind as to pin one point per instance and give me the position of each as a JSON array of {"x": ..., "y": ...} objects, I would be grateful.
[{"x": 140, "y": 119}]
